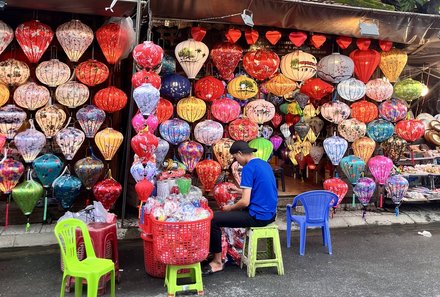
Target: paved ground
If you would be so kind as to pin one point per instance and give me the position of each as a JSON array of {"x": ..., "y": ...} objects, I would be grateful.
[{"x": 367, "y": 261}]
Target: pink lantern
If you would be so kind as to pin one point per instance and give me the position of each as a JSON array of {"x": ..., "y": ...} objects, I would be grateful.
[
  {"x": 31, "y": 96},
  {"x": 225, "y": 109},
  {"x": 53, "y": 73},
  {"x": 70, "y": 140},
  {"x": 6, "y": 36},
  {"x": 29, "y": 143},
  {"x": 379, "y": 89},
  {"x": 380, "y": 167},
  {"x": 259, "y": 111},
  {"x": 190, "y": 152},
  {"x": 225, "y": 57},
  {"x": 10, "y": 173},
  {"x": 74, "y": 37},
  {"x": 261, "y": 64},
  {"x": 243, "y": 129},
  {"x": 114, "y": 41},
  {"x": 34, "y": 39},
  {"x": 335, "y": 111},
  {"x": 236, "y": 171},
  {"x": 2, "y": 141},
  {"x": 13, "y": 72},
  {"x": 147, "y": 54},
  {"x": 139, "y": 123},
  {"x": 145, "y": 77},
  {"x": 393, "y": 110},
  {"x": 90, "y": 119},
  {"x": 208, "y": 132}
]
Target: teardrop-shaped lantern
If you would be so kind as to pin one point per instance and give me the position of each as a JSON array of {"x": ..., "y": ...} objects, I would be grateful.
[
  {"x": 114, "y": 41},
  {"x": 316, "y": 153},
  {"x": 26, "y": 195},
  {"x": 74, "y": 37},
  {"x": 72, "y": 94},
  {"x": 380, "y": 167},
  {"x": 364, "y": 111},
  {"x": 31, "y": 96},
  {"x": 276, "y": 141},
  {"x": 110, "y": 99},
  {"x": 50, "y": 119},
  {"x": 92, "y": 72},
  {"x": 66, "y": 189},
  {"x": 363, "y": 148},
  {"x": 89, "y": 170},
  {"x": 174, "y": 131},
  {"x": 243, "y": 129},
  {"x": 191, "y": 55},
  {"x": 392, "y": 63},
  {"x": 221, "y": 152},
  {"x": 107, "y": 192},
  {"x": 69, "y": 140},
  {"x": 47, "y": 167},
  {"x": 90, "y": 119},
  {"x": 280, "y": 85},
  {"x": 263, "y": 146},
  {"x": 242, "y": 87},
  {"x": 108, "y": 142},
  {"x": 337, "y": 186},
  {"x": 208, "y": 132},
  {"x": 10, "y": 174},
  {"x": 261, "y": 64},
  {"x": 225, "y": 57},
  {"x": 335, "y": 148},
  {"x": 351, "y": 89},
  {"x": 6, "y": 36},
  {"x": 298, "y": 65},
  {"x": 259, "y": 111},
  {"x": 225, "y": 110},
  {"x": 209, "y": 88},
  {"x": 364, "y": 190},
  {"x": 379, "y": 89},
  {"x": 335, "y": 111},
  {"x": 144, "y": 144},
  {"x": 335, "y": 68},
  {"x": 190, "y": 152},
  {"x": 161, "y": 151},
  {"x": 34, "y": 38},
  {"x": 13, "y": 72},
  {"x": 29, "y": 143},
  {"x": 410, "y": 130},
  {"x": 11, "y": 119},
  {"x": 365, "y": 62},
  {"x": 302, "y": 128},
  {"x": 396, "y": 187}
]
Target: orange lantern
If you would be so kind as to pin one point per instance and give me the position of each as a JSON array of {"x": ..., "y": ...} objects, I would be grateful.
[
  {"x": 208, "y": 171},
  {"x": 50, "y": 119},
  {"x": 110, "y": 99},
  {"x": 243, "y": 129},
  {"x": 364, "y": 148},
  {"x": 114, "y": 40},
  {"x": 364, "y": 111},
  {"x": 53, "y": 73},
  {"x": 74, "y": 37},
  {"x": 242, "y": 87},
  {"x": 108, "y": 142},
  {"x": 72, "y": 94},
  {"x": 164, "y": 110},
  {"x": 191, "y": 109},
  {"x": 392, "y": 63},
  {"x": 13, "y": 72},
  {"x": 221, "y": 152},
  {"x": 4, "y": 94},
  {"x": 34, "y": 39},
  {"x": 92, "y": 72},
  {"x": 31, "y": 96},
  {"x": 280, "y": 85}
]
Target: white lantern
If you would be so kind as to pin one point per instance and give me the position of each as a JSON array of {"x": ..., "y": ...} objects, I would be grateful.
[
  {"x": 335, "y": 68},
  {"x": 30, "y": 142},
  {"x": 75, "y": 37},
  {"x": 53, "y": 73},
  {"x": 260, "y": 111},
  {"x": 379, "y": 89},
  {"x": 298, "y": 65},
  {"x": 72, "y": 94},
  {"x": 70, "y": 140},
  {"x": 191, "y": 55},
  {"x": 351, "y": 89},
  {"x": 335, "y": 111},
  {"x": 31, "y": 96},
  {"x": 6, "y": 36}
]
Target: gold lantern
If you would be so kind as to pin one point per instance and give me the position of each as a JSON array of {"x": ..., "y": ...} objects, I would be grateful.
[
  {"x": 221, "y": 152},
  {"x": 392, "y": 63},
  {"x": 53, "y": 73},
  {"x": 72, "y": 94},
  {"x": 108, "y": 142},
  {"x": 13, "y": 72},
  {"x": 191, "y": 109},
  {"x": 364, "y": 148},
  {"x": 50, "y": 119},
  {"x": 4, "y": 94},
  {"x": 242, "y": 87},
  {"x": 31, "y": 96},
  {"x": 280, "y": 85}
]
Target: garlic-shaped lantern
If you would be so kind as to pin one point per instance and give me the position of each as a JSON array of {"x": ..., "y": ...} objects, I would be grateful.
[
  {"x": 11, "y": 119},
  {"x": 30, "y": 142},
  {"x": 50, "y": 119},
  {"x": 108, "y": 142},
  {"x": 90, "y": 119},
  {"x": 69, "y": 140},
  {"x": 53, "y": 73},
  {"x": 72, "y": 94},
  {"x": 31, "y": 96}
]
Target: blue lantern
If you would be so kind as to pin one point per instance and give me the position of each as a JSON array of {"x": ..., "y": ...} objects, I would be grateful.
[
  {"x": 380, "y": 130},
  {"x": 65, "y": 189},
  {"x": 146, "y": 97},
  {"x": 175, "y": 87},
  {"x": 335, "y": 148},
  {"x": 47, "y": 167},
  {"x": 168, "y": 65},
  {"x": 352, "y": 167},
  {"x": 174, "y": 131}
]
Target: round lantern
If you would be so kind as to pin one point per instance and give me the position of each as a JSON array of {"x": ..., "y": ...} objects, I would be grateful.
[
  {"x": 208, "y": 171},
  {"x": 175, "y": 87},
  {"x": 190, "y": 152},
  {"x": 10, "y": 173},
  {"x": 144, "y": 144},
  {"x": 364, "y": 190},
  {"x": 380, "y": 130},
  {"x": 90, "y": 119},
  {"x": 393, "y": 148},
  {"x": 191, "y": 109},
  {"x": 225, "y": 109},
  {"x": 191, "y": 55},
  {"x": 335, "y": 148},
  {"x": 11, "y": 119},
  {"x": 365, "y": 62},
  {"x": 280, "y": 85},
  {"x": 316, "y": 88},
  {"x": 351, "y": 89},
  {"x": 114, "y": 41},
  {"x": 352, "y": 129},
  {"x": 164, "y": 110},
  {"x": 4, "y": 92},
  {"x": 92, "y": 72},
  {"x": 209, "y": 88},
  {"x": 410, "y": 130},
  {"x": 408, "y": 89},
  {"x": 30, "y": 143},
  {"x": 89, "y": 171},
  {"x": 34, "y": 38},
  {"x": 146, "y": 77},
  {"x": 107, "y": 191},
  {"x": 47, "y": 167},
  {"x": 243, "y": 129},
  {"x": 379, "y": 89},
  {"x": 50, "y": 119},
  {"x": 259, "y": 111},
  {"x": 111, "y": 99},
  {"x": 392, "y": 63},
  {"x": 6, "y": 36},
  {"x": 161, "y": 151},
  {"x": 337, "y": 186},
  {"x": 53, "y": 73},
  {"x": 74, "y": 37},
  {"x": 363, "y": 148},
  {"x": 364, "y": 111},
  {"x": 380, "y": 167},
  {"x": 139, "y": 123},
  {"x": 263, "y": 146},
  {"x": 66, "y": 188},
  {"x": 298, "y": 65},
  {"x": 242, "y": 87},
  {"x": 72, "y": 94},
  {"x": 31, "y": 96},
  {"x": 393, "y": 110},
  {"x": 222, "y": 195},
  {"x": 108, "y": 142},
  {"x": 225, "y": 57},
  {"x": 208, "y": 132},
  {"x": 13, "y": 72},
  {"x": 174, "y": 131},
  {"x": 316, "y": 125},
  {"x": 261, "y": 64},
  {"x": 221, "y": 152},
  {"x": 335, "y": 111},
  {"x": 147, "y": 54},
  {"x": 352, "y": 167},
  {"x": 69, "y": 140},
  {"x": 335, "y": 68}
]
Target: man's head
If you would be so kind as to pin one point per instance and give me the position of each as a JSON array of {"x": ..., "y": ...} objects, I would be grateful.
[{"x": 241, "y": 151}]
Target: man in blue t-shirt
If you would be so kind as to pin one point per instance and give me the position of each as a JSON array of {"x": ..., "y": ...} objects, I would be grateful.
[{"x": 256, "y": 208}]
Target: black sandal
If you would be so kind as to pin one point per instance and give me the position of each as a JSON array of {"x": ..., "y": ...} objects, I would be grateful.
[{"x": 207, "y": 270}]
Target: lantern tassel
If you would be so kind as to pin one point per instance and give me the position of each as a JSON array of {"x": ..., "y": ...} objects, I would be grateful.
[
  {"x": 396, "y": 211},
  {"x": 353, "y": 201},
  {"x": 363, "y": 213},
  {"x": 381, "y": 200},
  {"x": 7, "y": 214},
  {"x": 316, "y": 176},
  {"x": 28, "y": 225},
  {"x": 45, "y": 208}
]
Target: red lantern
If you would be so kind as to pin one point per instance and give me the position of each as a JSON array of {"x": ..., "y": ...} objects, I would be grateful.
[
  {"x": 298, "y": 38},
  {"x": 148, "y": 54},
  {"x": 144, "y": 144},
  {"x": 317, "y": 40},
  {"x": 34, "y": 39},
  {"x": 233, "y": 35},
  {"x": 276, "y": 120},
  {"x": 337, "y": 186},
  {"x": 363, "y": 43},
  {"x": 243, "y": 129},
  {"x": 107, "y": 191},
  {"x": 114, "y": 40},
  {"x": 197, "y": 33},
  {"x": 225, "y": 57},
  {"x": 208, "y": 171},
  {"x": 209, "y": 88},
  {"x": 164, "y": 110},
  {"x": 365, "y": 62},
  {"x": 145, "y": 77},
  {"x": 225, "y": 109},
  {"x": 251, "y": 36},
  {"x": 261, "y": 64},
  {"x": 292, "y": 119},
  {"x": 364, "y": 111},
  {"x": 385, "y": 45},
  {"x": 110, "y": 99},
  {"x": 343, "y": 41},
  {"x": 222, "y": 195},
  {"x": 143, "y": 189},
  {"x": 301, "y": 161},
  {"x": 92, "y": 72},
  {"x": 316, "y": 88},
  {"x": 273, "y": 36},
  {"x": 410, "y": 130}
]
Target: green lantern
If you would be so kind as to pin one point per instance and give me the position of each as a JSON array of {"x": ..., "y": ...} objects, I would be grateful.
[
  {"x": 409, "y": 89},
  {"x": 264, "y": 148},
  {"x": 284, "y": 107}
]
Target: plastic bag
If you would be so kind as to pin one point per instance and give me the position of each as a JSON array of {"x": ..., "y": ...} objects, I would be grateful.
[{"x": 95, "y": 213}]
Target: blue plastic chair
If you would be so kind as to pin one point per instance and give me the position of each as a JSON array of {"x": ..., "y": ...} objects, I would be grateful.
[{"x": 316, "y": 206}]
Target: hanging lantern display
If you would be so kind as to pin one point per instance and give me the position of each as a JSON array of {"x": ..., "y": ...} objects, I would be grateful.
[
  {"x": 335, "y": 111},
  {"x": 408, "y": 89},
  {"x": 175, "y": 87},
  {"x": 66, "y": 188},
  {"x": 53, "y": 72},
  {"x": 380, "y": 167},
  {"x": 352, "y": 167},
  {"x": 335, "y": 148},
  {"x": 379, "y": 89},
  {"x": 164, "y": 110},
  {"x": 363, "y": 148},
  {"x": 191, "y": 55},
  {"x": 225, "y": 109},
  {"x": 174, "y": 131},
  {"x": 31, "y": 96},
  {"x": 316, "y": 125},
  {"x": 316, "y": 152},
  {"x": 90, "y": 119},
  {"x": 92, "y": 72},
  {"x": 141, "y": 171},
  {"x": 392, "y": 63},
  {"x": 47, "y": 167},
  {"x": 30, "y": 143},
  {"x": 365, "y": 62},
  {"x": 276, "y": 141},
  {"x": 4, "y": 91},
  {"x": 298, "y": 65},
  {"x": 146, "y": 77},
  {"x": 221, "y": 152},
  {"x": 316, "y": 88},
  {"x": 276, "y": 120},
  {"x": 114, "y": 41},
  {"x": 364, "y": 190},
  {"x": 265, "y": 131},
  {"x": 208, "y": 171},
  {"x": 89, "y": 170},
  {"x": 11, "y": 119},
  {"x": 335, "y": 68},
  {"x": 259, "y": 111},
  {"x": 191, "y": 109},
  {"x": 144, "y": 144},
  {"x": 261, "y": 64},
  {"x": 139, "y": 123},
  {"x": 336, "y": 186},
  {"x": 111, "y": 99},
  {"x": 190, "y": 152},
  {"x": 352, "y": 129},
  {"x": 6, "y": 36},
  {"x": 74, "y": 37},
  {"x": 108, "y": 142},
  {"x": 161, "y": 151},
  {"x": 208, "y": 132},
  {"x": 147, "y": 54},
  {"x": 302, "y": 128},
  {"x": 410, "y": 130},
  {"x": 242, "y": 87},
  {"x": 10, "y": 173},
  {"x": 50, "y": 119},
  {"x": 243, "y": 129},
  {"x": 263, "y": 146},
  {"x": 393, "y": 148},
  {"x": 364, "y": 111},
  {"x": 393, "y": 110},
  {"x": 143, "y": 189},
  {"x": 13, "y": 72},
  {"x": 396, "y": 188},
  {"x": 69, "y": 140},
  {"x": 280, "y": 85},
  {"x": 225, "y": 57},
  {"x": 107, "y": 191},
  {"x": 72, "y": 94},
  {"x": 34, "y": 38},
  {"x": 351, "y": 89},
  {"x": 380, "y": 130},
  {"x": 26, "y": 195},
  {"x": 209, "y": 88}
]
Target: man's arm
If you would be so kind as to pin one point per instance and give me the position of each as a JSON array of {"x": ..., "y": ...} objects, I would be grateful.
[{"x": 242, "y": 203}]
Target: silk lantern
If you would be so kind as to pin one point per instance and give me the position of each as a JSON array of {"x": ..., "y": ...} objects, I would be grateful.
[
  {"x": 335, "y": 111},
  {"x": 92, "y": 72},
  {"x": 392, "y": 63},
  {"x": 316, "y": 125},
  {"x": 161, "y": 151},
  {"x": 90, "y": 119},
  {"x": 74, "y": 37},
  {"x": 11, "y": 119},
  {"x": 225, "y": 57},
  {"x": 26, "y": 195},
  {"x": 190, "y": 152},
  {"x": 379, "y": 89},
  {"x": 144, "y": 144},
  {"x": 396, "y": 187},
  {"x": 50, "y": 119},
  {"x": 364, "y": 190},
  {"x": 146, "y": 97},
  {"x": 6, "y": 36},
  {"x": 222, "y": 195},
  {"x": 276, "y": 141},
  {"x": 168, "y": 66},
  {"x": 141, "y": 171},
  {"x": 352, "y": 167},
  {"x": 394, "y": 147},
  {"x": 208, "y": 132},
  {"x": 298, "y": 65},
  {"x": 53, "y": 72},
  {"x": 143, "y": 189},
  {"x": 335, "y": 148},
  {"x": 221, "y": 152},
  {"x": 31, "y": 96},
  {"x": 108, "y": 142},
  {"x": 265, "y": 131},
  {"x": 301, "y": 99},
  {"x": 243, "y": 129},
  {"x": 72, "y": 94},
  {"x": 316, "y": 153},
  {"x": 209, "y": 88},
  {"x": 380, "y": 130},
  {"x": 393, "y": 110},
  {"x": 13, "y": 72},
  {"x": 261, "y": 64},
  {"x": 351, "y": 89},
  {"x": 34, "y": 38},
  {"x": 237, "y": 169},
  {"x": 316, "y": 88},
  {"x": 336, "y": 186},
  {"x": 2, "y": 141},
  {"x": 302, "y": 128},
  {"x": 280, "y": 85},
  {"x": 191, "y": 109},
  {"x": 175, "y": 87},
  {"x": 410, "y": 130},
  {"x": 114, "y": 41},
  {"x": 191, "y": 55},
  {"x": 380, "y": 167},
  {"x": 10, "y": 174},
  {"x": 263, "y": 146},
  {"x": 139, "y": 123},
  {"x": 47, "y": 167},
  {"x": 164, "y": 110},
  {"x": 107, "y": 191},
  {"x": 364, "y": 111},
  {"x": 225, "y": 110},
  {"x": 259, "y": 111},
  {"x": 276, "y": 120},
  {"x": 145, "y": 77},
  {"x": 112, "y": 99},
  {"x": 174, "y": 131},
  {"x": 408, "y": 89},
  {"x": 365, "y": 62},
  {"x": 29, "y": 143},
  {"x": 363, "y": 148},
  {"x": 66, "y": 189},
  {"x": 147, "y": 54},
  {"x": 70, "y": 140},
  {"x": 352, "y": 129},
  {"x": 89, "y": 170},
  {"x": 4, "y": 93},
  {"x": 208, "y": 171},
  {"x": 284, "y": 129},
  {"x": 242, "y": 87},
  {"x": 335, "y": 68}
]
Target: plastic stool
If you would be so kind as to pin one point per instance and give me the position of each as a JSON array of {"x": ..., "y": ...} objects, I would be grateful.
[
  {"x": 271, "y": 257},
  {"x": 172, "y": 275}
]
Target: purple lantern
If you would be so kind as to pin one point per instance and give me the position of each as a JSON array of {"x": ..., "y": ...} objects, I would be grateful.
[
  {"x": 29, "y": 143},
  {"x": 393, "y": 110},
  {"x": 69, "y": 140},
  {"x": 161, "y": 151},
  {"x": 276, "y": 141},
  {"x": 146, "y": 97},
  {"x": 190, "y": 153},
  {"x": 90, "y": 119},
  {"x": 335, "y": 148},
  {"x": 396, "y": 187},
  {"x": 380, "y": 168},
  {"x": 364, "y": 190},
  {"x": 174, "y": 131}
]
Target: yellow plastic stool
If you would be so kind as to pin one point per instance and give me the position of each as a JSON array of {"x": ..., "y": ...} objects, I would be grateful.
[
  {"x": 172, "y": 276},
  {"x": 271, "y": 257}
]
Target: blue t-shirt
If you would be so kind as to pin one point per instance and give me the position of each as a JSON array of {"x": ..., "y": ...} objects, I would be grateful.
[{"x": 258, "y": 176}]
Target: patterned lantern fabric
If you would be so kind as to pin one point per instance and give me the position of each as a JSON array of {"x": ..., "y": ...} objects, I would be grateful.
[
  {"x": 221, "y": 152},
  {"x": 66, "y": 189},
  {"x": 6, "y": 36},
  {"x": 335, "y": 148},
  {"x": 164, "y": 110},
  {"x": 144, "y": 144},
  {"x": 209, "y": 88},
  {"x": 302, "y": 128},
  {"x": 364, "y": 148},
  {"x": 259, "y": 111},
  {"x": 191, "y": 109},
  {"x": 316, "y": 125},
  {"x": 53, "y": 73},
  {"x": 265, "y": 131},
  {"x": 145, "y": 77},
  {"x": 280, "y": 85},
  {"x": 190, "y": 152},
  {"x": 191, "y": 55},
  {"x": 242, "y": 87},
  {"x": 352, "y": 167},
  {"x": 316, "y": 153},
  {"x": 147, "y": 54},
  {"x": 379, "y": 89},
  {"x": 31, "y": 96},
  {"x": 410, "y": 130},
  {"x": 393, "y": 110},
  {"x": 225, "y": 57},
  {"x": 208, "y": 132},
  {"x": 110, "y": 99},
  {"x": 13, "y": 72},
  {"x": 4, "y": 93},
  {"x": 34, "y": 39},
  {"x": 352, "y": 129},
  {"x": 90, "y": 119},
  {"x": 89, "y": 171},
  {"x": 92, "y": 72},
  {"x": 114, "y": 40},
  {"x": 108, "y": 142},
  {"x": 380, "y": 167},
  {"x": 139, "y": 123},
  {"x": 47, "y": 167},
  {"x": 107, "y": 192},
  {"x": 147, "y": 98},
  {"x": 337, "y": 186},
  {"x": 298, "y": 65},
  {"x": 277, "y": 141},
  {"x": 74, "y": 37},
  {"x": 243, "y": 129},
  {"x": 364, "y": 111},
  {"x": 50, "y": 119},
  {"x": 10, "y": 173},
  {"x": 261, "y": 64},
  {"x": 380, "y": 130},
  {"x": 69, "y": 140},
  {"x": 392, "y": 63},
  {"x": 396, "y": 187},
  {"x": 316, "y": 88},
  {"x": 208, "y": 171},
  {"x": 335, "y": 68},
  {"x": 364, "y": 190},
  {"x": 11, "y": 119},
  {"x": 175, "y": 87},
  {"x": 335, "y": 111},
  {"x": 174, "y": 131},
  {"x": 225, "y": 110},
  {"x": 408, "y": 89},
  {"x": 30, "y": 143},
  {"x": 141, "y": 172},
  {"x": 161, "y": 151},
  {"x": 264, "y": 148},
  {"x": 351, "y": 89},
  {"x": 365, "y": 62},
  {"x": 393, "y": 148},
  {"x": 72, "y": 94}
]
